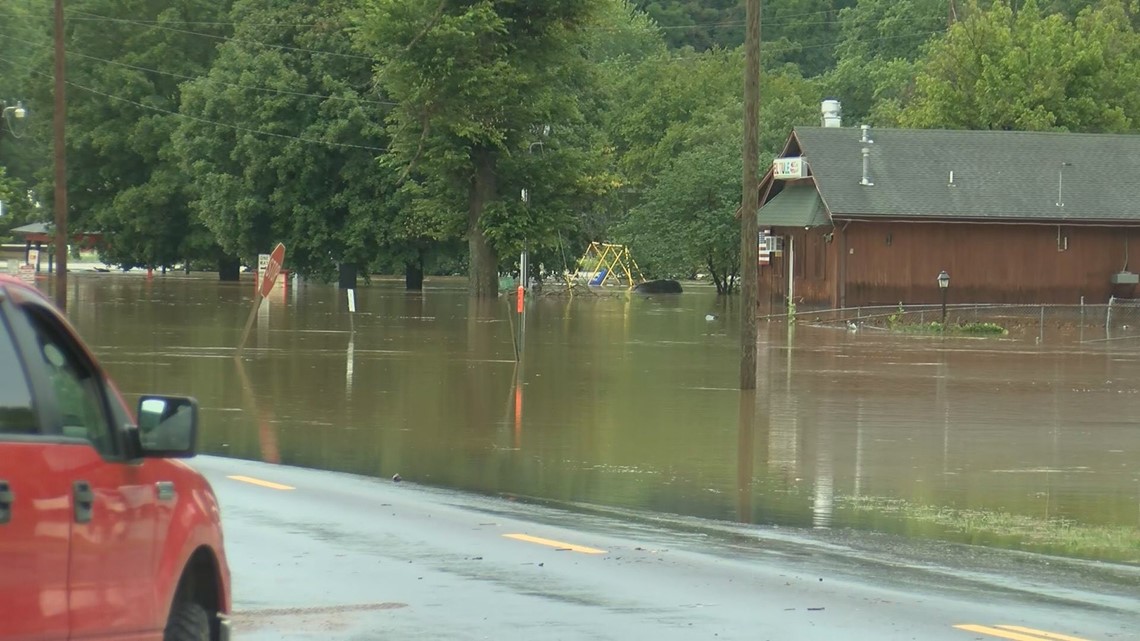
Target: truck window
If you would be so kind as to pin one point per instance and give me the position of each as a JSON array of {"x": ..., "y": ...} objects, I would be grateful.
[
  {"x": 78, "y": 388},
  {"x": 16, "y": 413}
]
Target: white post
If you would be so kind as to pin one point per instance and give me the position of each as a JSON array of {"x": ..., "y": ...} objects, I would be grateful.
[{"x": 791, "y": 271}]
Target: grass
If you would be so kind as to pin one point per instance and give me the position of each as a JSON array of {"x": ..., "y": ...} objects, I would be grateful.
[{"x": 1064, "y": 537}]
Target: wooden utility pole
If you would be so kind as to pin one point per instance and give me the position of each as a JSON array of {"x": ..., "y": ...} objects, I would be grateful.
[
  {"x": 59, "y": 125},
  {"x": 749, "y": 235}
]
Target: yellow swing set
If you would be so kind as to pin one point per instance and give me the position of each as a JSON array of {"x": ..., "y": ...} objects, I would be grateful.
[{"x": 610, "y": 262}]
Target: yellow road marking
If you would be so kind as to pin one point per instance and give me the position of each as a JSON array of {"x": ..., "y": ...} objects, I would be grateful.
[
  {"x": 555, "y": 544},
  {"x": 1016, "y": 633},
  {"x": 269, "y": 484},
  {"x": 1041, "y": 633}
]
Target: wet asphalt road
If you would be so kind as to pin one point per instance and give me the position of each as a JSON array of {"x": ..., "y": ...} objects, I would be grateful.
[{"x": 320, "y": 555}]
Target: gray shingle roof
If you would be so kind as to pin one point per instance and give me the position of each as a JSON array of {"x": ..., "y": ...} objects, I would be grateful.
[{"x": 1008, "y": 175}]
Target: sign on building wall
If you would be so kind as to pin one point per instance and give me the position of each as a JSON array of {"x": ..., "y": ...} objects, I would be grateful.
[{"x": 789, "y": 168}]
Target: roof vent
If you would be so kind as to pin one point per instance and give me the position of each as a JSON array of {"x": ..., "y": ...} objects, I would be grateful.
[
  {"x": 866, "y": 134},
  {"x": 832, "y": 113}
]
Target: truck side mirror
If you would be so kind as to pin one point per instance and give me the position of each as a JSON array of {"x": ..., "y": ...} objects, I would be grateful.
[{"x": 168, "y": 426}]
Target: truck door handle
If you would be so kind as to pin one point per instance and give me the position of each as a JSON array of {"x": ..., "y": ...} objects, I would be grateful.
[
  {"x": 6, "y": 500},
  {"x": 84, "y": 501}
]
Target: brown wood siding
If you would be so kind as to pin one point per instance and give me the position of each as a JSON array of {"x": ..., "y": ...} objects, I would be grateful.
[
  {"x": 815, "y": 271},
  {"x": 885, "y": 263},
  {"x": 894, "y": 262}
]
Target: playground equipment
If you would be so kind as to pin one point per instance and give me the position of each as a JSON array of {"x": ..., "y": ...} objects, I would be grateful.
[{"x": 609, "y": 262}]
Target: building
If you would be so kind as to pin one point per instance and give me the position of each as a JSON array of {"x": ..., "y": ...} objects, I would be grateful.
[{"x": 861, "y": 217}]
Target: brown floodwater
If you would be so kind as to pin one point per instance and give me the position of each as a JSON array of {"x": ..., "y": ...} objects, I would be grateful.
[{"x": 630, "y": 402}]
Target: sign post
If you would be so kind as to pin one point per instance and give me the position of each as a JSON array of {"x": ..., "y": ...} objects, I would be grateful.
[{"x": 268, "y": 277}]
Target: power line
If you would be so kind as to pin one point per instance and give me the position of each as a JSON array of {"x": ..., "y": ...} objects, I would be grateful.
[
  {"x": 790, "y": 46},
  {"x": 220, "y": 124},
  {"x": 205, "y": 77},
  {"x": 202, "y": 120},
  {"x": 227, "y": 39}
]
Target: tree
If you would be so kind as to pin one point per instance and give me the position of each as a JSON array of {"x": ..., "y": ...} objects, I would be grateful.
[
  {"x": 679, "y": 137},
  {"x": 475, "y": 84},
  {"x": 879, "y": 44},
  {"x": 126, "y": 61},
  {"x": 281, "y": 139},
  {"x": 24, "y": 148},
  {"x": 1031, "y": 71}
]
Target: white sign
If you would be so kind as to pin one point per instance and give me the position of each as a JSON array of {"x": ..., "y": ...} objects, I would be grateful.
[
  {"x": 28, "y": 274},
  {"x": 262, "y": 265},
  {"x": 789, "y": 168}
]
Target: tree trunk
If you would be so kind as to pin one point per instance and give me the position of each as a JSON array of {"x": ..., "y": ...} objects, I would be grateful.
[
  {"x": 483, "y": 268},
  {"x": 229, "y": 269},
  {"x": 414, "y": 275},
  {"x": 346, "y": 276}
]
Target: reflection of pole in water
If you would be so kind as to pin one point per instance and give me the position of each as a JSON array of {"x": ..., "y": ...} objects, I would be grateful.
[
  {"x": 351, "y": 339},
  {"x": 745, "y": 445},
  {"x": 266, "y": 434},
  {"x": 788, "y": 354},
  {"x": 859, "y": 424},
  {"x": 519, "y": 380},
  {"x": 944, "y": 402},
  {"x": 823, "y": 502},
  {"x": 348, "y": 363},
  {"x": 263, "y": 324}
]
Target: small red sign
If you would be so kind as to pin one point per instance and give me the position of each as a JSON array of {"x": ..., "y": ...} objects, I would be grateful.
[{"x": 270, "y": 277}]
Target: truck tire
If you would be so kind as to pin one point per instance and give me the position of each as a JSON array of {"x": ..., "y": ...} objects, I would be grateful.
[{"x": 188, "y": 622}]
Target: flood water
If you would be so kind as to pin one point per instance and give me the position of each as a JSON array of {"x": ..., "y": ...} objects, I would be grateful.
[{"x": 631, "y": 402}]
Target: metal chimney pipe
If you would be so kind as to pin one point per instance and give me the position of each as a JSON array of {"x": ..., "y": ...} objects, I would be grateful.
[
  {"x": 866, "y": 129},
  {"x": 866, "y": 167}
]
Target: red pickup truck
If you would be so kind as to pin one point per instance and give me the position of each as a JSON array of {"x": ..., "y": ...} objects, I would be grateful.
[{"x": 103, "y": 535}]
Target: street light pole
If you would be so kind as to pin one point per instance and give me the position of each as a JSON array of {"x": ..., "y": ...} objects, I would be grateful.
[
  {"x": 943, "y": 284},
  {"x": 59, "y": 125}
]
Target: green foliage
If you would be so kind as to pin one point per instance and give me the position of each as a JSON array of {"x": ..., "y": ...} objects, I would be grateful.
[
  {"x": 476, "y": 84},
  {"x": 1030, "y": 71},
  {"x": 800, "y": 33},
  {"x": 936, "y": 327},
  {"x": 980, "y": 329},
  {"x": 699, "y": 24},
  {"x": 23, "y": 147},
  {"x": 126, "y": 74},
  {"x": 677, "y": 131},
  {"x": 880, "y": 41},
  {"x": 895, "y": 319},
  {"x": 282, "y": 139}
]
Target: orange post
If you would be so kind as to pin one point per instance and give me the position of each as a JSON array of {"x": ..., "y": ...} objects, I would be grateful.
[{"x": 522, "y": 294}]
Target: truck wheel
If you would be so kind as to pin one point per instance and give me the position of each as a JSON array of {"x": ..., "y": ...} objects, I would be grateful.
[{"x": 188, "y": 622}]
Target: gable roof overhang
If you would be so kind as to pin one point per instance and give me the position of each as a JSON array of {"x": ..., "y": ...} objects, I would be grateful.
[{"x": 796, "y": 205}]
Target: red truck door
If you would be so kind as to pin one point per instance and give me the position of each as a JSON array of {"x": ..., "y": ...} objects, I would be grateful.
[
  {"x": 111, "y": 507},
  {"x": 34, "y": 510}
]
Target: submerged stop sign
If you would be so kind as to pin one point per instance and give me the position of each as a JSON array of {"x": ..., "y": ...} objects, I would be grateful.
[{"x": 272, "y": 270}]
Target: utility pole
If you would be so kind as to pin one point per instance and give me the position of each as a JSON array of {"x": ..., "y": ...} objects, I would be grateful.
[
  {"x": 749, "y": 235},
  {"x": 59, "y": 124}
]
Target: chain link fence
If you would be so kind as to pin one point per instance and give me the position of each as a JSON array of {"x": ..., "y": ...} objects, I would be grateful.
[{"x": 1112, "y": 326}]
